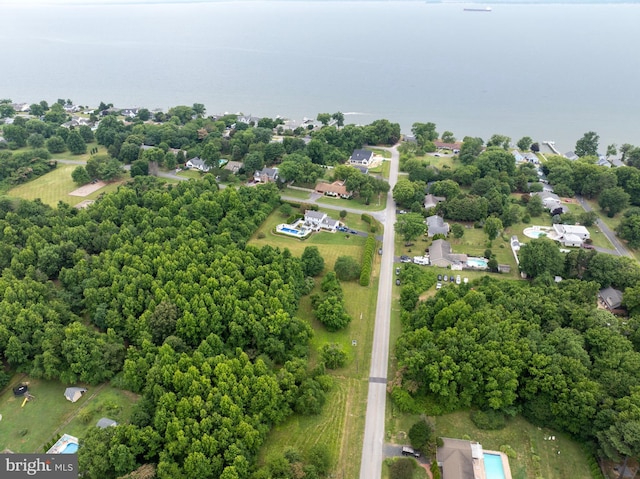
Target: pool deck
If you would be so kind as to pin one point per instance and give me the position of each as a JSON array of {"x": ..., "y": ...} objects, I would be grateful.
[{"x": 62, "y": 443}]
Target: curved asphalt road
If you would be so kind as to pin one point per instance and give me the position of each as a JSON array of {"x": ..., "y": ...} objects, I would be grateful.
[{"x": 372, "y": 447}]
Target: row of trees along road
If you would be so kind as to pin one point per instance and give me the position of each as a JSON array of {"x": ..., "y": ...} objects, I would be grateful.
[{"x": 179, "y": 310}]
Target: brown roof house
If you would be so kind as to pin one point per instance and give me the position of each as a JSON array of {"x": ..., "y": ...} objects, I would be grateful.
[
  {"x": 335, "y": 189},
  {"x": 440, "y": 254}
]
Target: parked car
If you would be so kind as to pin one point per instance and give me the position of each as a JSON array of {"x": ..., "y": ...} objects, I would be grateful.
[
  {"x": 438, "y": 285},
  {"x": 408, "y": 451},
  {"x": 588, "y": 246},
  {"x": 446, "y": 278},
  {"x": 458, "y": 280},
  {"x": 466, "y": 280},
  {"x": 380, "y": 251},
  {"x": 405, "y": 259},
  {"x": 397, "y": 271},
  {"x": 398, "y": 282},
  {"x": 439, "y": 277},
  {"x": 353, "y": 232},
  {"x": 451, "y": 279},
  {"x": 402, "y": 212}
]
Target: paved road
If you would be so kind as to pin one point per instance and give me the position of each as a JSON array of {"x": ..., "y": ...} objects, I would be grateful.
[
  {"x": 379, "y": 215},
  {"x": 621, "y": 249},
  {"x": 372, "y": 448}
]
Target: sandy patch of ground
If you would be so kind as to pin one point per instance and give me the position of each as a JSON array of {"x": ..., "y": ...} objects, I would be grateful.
[
  {"x": 86, "y": 190},
  {"x": 84, "y": 204}
]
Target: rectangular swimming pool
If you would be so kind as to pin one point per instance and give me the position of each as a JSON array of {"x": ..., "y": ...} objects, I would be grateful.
[{"x": 493, "y": 466}]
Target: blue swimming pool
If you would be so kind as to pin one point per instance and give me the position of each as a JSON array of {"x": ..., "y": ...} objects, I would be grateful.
[
  {"x": 537, "y": 234},
  {"x": 70, "y": 448},
  {"x": 493, "y": 466},
  {"x": 477, "y": 263},
  {"x": 291, "y": 231}
]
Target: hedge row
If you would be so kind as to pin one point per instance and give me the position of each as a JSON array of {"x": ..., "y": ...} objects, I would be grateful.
[{"x": 367, "y": 260}]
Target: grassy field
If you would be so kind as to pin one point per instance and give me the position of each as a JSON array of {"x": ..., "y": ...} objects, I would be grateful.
[
  {"x": 341, "y": 422},
  {"x": 26, "y": 429},
  {"x": 382, "y": 169},
  {"x": 303, "y": 195},
  {"x": 418, "y": 473},
  {"x": 376, "y": 204},
  {"x": 380, "y": 152},
  {"x": 56, "y": 186},
  {"x": 195, "y": 174},
  {"x": 69, "y": 156}
]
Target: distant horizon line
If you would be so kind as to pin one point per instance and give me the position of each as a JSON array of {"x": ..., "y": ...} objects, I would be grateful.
[{"x": 435, "y": 2}]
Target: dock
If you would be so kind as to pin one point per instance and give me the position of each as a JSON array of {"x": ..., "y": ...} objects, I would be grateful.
[{"x": 552, "y": 146}]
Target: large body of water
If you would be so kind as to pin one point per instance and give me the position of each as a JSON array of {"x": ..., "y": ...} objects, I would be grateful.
[{"x": 551, "y": 72}]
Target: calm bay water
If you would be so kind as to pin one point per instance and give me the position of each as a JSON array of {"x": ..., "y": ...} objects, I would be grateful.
[{"x": 547, "y": 71}]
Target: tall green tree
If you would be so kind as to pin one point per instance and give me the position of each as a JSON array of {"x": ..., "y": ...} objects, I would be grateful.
[
  {"x": 312, "y": 261},
  {"x": 410, "y": 226},
  {"x": 588, "y": 144},
  {"x": 613, "y": 200},
  {"x": 76, "y": 143},
  {"x": 540, "y": 256}
]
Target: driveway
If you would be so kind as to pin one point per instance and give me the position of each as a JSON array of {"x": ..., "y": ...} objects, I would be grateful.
[{"x": 620, "y": 249}]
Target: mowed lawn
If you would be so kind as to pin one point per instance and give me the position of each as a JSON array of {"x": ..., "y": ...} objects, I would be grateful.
[
  {"x": 56, "y": 185},
  {"x": 536, "y": 456},
  {"x": 340, "y": 425},
  {"x": 26, "y": 429}
]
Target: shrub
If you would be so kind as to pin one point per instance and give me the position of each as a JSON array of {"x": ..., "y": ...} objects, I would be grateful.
[
  {"x": 333, "y": 355},
  {"x": 261, "y": 235},
  {"x": 420, "y": 434},
  {"x": 367, "y": 259},
  {"x": 488, "y": 420},
  {"x": 402, "y": 468},
  {"x": 366, "y": 218},
  {"x": 404, "y": 401},
  {"x": 508, "y": 450},
  {"x": 347, "y": 268}
]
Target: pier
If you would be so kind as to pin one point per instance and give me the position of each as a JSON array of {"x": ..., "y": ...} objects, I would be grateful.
[{"x": 552, "y": 146}]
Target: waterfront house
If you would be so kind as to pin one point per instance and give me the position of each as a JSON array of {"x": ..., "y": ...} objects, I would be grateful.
[
  {"x": 198, "y": 164},
  {"x": 436, "y": 225},
  {"x": 361, "y": 157},
  {"x": 453, "y": 147},
  {"x": 571, "y": 155},
  {"x": 266, "y": 175}
]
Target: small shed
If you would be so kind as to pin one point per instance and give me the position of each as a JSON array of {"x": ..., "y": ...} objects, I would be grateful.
[
  {"x": 105, "y": 422},
  {"x": 73, "y": 394}
]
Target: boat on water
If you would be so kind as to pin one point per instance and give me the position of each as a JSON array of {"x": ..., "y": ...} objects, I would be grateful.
[{"x": 477, "y": 9}]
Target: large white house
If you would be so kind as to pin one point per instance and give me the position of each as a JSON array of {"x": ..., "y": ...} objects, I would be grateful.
[
  {"x": 317, "y": 220},
  {"x": 571, "y": 235}
]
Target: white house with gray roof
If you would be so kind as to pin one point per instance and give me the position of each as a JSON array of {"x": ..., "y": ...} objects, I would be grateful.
[
  {"x": 317, "y": 220},
  {"x": 436, "y": 225},
  {"x": 198, "y": 164},
  {"x": 361, "y": 157}
]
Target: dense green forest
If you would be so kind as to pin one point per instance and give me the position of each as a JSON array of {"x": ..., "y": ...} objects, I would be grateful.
[
  {"x": 154, "y": 288},
  {"x": 541, "y": 349}
]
